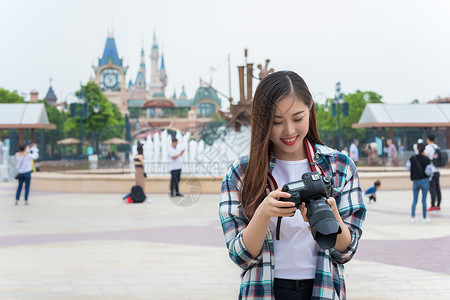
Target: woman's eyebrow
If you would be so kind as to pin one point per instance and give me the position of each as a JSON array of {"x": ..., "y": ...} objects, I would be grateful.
[{"x": 297, "y": 113}]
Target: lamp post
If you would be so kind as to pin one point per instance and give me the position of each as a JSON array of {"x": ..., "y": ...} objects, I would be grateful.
[
  {"x": 83, "y": 113},
  {"x": 336, "y": 110}
]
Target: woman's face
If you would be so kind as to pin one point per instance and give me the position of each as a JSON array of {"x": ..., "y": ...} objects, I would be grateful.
[{"x": 289, "y": 128}]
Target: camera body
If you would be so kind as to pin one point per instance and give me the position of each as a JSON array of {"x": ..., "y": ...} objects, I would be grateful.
[
  {"x": 314, "y": 190},
  {"x": 311, "y": 187}
]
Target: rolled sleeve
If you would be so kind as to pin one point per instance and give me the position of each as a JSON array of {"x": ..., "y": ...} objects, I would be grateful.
[
  {"x": 352, "y": 210},
  {"x": 233, "y": 220}
]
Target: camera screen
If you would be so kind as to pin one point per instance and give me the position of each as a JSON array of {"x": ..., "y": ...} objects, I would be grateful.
[{"x": 296, "y": 185}]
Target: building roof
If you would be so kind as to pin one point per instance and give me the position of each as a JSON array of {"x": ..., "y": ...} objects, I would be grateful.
[
  {"x": 24, "y": 116},
  {"x": 205, "y": 93},
  {"x": 163, "y": 67},
  {"x": 110, "y": 54},
  {"x": 140, "y": 78},
  {"x": 404, "y": 115},
  {"x": 136, "y": 103},
  {"x": 158, "y": 95},
  {"x": 182, "y": 103},
  {"x": 51, "y": 97}
]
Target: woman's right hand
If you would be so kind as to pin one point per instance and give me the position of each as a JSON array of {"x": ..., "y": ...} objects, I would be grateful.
[{"x": 271, "y": 206}]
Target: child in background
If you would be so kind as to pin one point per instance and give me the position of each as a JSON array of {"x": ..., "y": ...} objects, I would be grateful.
[{"x": 371, "y": 192}]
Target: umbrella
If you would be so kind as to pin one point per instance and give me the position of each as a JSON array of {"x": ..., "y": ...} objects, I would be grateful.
[
  {"x": 115, "y": 141},
  {"x": 147, "y": 133},
  {"x": 71, "y": 141}
]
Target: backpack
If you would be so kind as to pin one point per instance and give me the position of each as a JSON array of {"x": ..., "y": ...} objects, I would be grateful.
[
  {"x": 440, "y": 158},
  {"x": 137, "y": 194}
]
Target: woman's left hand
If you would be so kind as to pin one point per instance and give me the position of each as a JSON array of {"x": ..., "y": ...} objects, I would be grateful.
[{"x": 330, "y": 201}]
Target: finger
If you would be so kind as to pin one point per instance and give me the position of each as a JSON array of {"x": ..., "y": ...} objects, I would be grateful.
[
  {"x": 279, "y": 194},
  {"x": 331, "y": 201},
  {"x": 279, "y": 203},
  {"x": 286, "y": 212}
]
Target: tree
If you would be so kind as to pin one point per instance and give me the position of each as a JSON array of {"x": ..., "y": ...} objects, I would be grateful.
[
  {"x": 10, "y": 97},
  {"x": 107, "y": 123},
  {"x": 357, "y": 101}
]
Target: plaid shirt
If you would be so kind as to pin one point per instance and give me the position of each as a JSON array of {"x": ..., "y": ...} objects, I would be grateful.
[{"x": 257, "y": 273}]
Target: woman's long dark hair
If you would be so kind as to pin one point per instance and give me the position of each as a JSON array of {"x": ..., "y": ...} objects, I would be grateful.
[
  {"x": 270, "y": 90},
  {"x": 140, "y": 149}
]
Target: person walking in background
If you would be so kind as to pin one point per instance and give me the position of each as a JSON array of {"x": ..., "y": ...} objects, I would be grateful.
[
  {"x": 419, "y": 166},
  {"x": 400, "y": 147},
  {"x": 354, "y": 153},
  {"x": 24, "y": 159},
  {"x": 391, "y": 151},
  {"x": 175, "y": 168},
  {"x": 372, "y": 154},
  {"x": 435, "y": 188}
]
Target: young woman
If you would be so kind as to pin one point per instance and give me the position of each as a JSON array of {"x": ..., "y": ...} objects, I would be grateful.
[
  {"x": 139, "y": 172},
  {"x": 285, "y": 144},
  {"x": 420, "y": 169},
  {"x": 24, "y": 159}
]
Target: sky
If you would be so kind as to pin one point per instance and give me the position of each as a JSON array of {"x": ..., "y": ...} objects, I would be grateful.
[{"x": 398, "y": 49}]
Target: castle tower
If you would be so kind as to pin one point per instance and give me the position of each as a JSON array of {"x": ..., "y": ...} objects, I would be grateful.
[
  {"x": 138, "y": 90},
  {"x": 140, "y": 79},
  {"x": 110, "y": 75},
  {"x": 156, "y": 85},
  {"x": 163, "y": 75}
]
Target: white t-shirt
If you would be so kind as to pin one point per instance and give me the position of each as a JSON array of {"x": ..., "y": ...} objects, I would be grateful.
[
  {"x": 296, "y": 251},
  {"x": 429, "y": 151},
  {"x": 175, "y": 164},
  {"x": 354, "y": 154}
]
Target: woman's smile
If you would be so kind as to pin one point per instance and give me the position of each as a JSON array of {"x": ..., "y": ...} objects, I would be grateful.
[{"x": 290, "y": 141}]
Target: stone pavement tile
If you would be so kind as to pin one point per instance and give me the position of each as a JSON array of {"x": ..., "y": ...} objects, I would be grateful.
[
  {"x": 136, "y": 268},
  {"x": 367, "y": 280},
  {"x": 94, "y": 246}
]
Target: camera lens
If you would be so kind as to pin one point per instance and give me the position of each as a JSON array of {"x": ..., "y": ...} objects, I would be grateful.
[{"x": 324, "y": 226}]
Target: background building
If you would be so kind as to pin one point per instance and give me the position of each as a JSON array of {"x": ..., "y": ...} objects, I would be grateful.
[{"x": 145, "y": 99}]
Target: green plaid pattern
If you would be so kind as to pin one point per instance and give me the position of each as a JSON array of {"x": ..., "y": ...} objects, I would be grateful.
[{"x": 257, "y": 272}]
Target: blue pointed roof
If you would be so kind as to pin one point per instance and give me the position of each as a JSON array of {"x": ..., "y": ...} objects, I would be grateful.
[
  {"x": 50, "y": 95},
  {"x": 110, "y": 54},
  {"x": 183, "y": 94},
  {"x": 130, "y": 84},
  {"x": 163, "y": 67},
  {"x": 140, "y": 78},
  {"x": 155, "y": 44}
]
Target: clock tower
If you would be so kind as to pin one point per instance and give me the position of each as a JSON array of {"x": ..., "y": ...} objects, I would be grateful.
[{"x": 110, "y": 75}]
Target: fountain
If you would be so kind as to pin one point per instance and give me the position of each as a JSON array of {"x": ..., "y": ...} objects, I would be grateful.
[{"x": 198, "y": 157}]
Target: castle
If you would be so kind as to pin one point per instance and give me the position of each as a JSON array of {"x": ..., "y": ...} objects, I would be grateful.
[{"x": 145, "y": 100}]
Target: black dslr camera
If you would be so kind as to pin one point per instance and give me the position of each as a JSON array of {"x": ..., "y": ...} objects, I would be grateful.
[{"x": 314, "y": 190}]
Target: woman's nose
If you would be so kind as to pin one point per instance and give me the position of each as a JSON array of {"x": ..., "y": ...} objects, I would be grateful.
[{"x": 289, "y": 128}]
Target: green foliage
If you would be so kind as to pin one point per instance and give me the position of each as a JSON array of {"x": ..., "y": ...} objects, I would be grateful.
[
  {"x": 10, "y": 97},
  {"x": 357, "y": 101},
  {"x": 108, "y": 116},
  {"x": 54, "y": 117}
]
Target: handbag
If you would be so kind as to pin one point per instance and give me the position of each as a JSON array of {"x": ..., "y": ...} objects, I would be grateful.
[
  {"x": 18, "y": 175},
  {"x": 145, "y": 175}
]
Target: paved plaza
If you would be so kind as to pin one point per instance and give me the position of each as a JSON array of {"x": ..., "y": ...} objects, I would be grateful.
[{"x": 94, "y": 246}]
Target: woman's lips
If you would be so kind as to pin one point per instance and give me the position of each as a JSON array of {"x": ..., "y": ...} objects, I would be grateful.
[{"x": 290, "y": 141}]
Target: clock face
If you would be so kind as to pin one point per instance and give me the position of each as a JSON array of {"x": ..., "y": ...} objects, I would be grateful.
[{"x": 110, "y": 80}]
